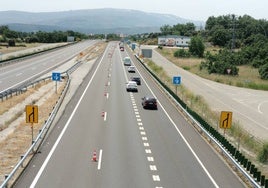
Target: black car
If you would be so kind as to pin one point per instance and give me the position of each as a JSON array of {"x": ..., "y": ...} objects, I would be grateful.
[
  {"x": 149, "y": 102},
  {"x": 136, "y": 79}
]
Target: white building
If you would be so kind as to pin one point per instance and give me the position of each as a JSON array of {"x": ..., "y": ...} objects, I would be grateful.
[{"x": 174, "y": 40}]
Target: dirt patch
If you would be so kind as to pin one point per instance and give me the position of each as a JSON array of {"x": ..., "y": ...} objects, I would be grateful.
[{"x": 16, "y": 137}]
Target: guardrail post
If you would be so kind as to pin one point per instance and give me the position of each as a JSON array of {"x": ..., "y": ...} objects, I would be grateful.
[
  {"x": 6, "y": 176},
  {"x": 245, "y": 162},
  {"x": 262, "y": 180},
  {"x": 252, "y": 167},
  {"x": 21, "y": 159},
  {"x": 255, "y": 171},
  {"x": 33, "y": 150},
  {"x": 248, "y": 165},
  {"x": 258, "y": 174},
  {"x": 39, "y": 133}
]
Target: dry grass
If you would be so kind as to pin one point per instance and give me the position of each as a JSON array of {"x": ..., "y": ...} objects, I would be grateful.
[
  {"x": 17, "y": 143},
  {"x": 14, "y": 100},
  {"x": 19, "y": 46},
  {"x": 248, "y": 76}
]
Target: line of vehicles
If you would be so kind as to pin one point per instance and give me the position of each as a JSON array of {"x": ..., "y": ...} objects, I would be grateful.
[{"x": 148, "y": 102}]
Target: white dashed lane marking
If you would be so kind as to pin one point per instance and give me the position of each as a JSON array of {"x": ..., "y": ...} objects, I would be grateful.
[
  {"x": 156, "y": 178},
  {"x": 148, "y": 151},
  {"x": 146, "y": 144},
  {"x": 153, "y": 168},
  {"x": 144, "y": 138},
  {"x": 151, "y": 159}
]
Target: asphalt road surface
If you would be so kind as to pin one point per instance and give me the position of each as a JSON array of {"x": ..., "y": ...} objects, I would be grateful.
[
  {"x": 249, "y": 107},
  {"x": 134, "y": 147},
  {"x": 17, "y": 73}
]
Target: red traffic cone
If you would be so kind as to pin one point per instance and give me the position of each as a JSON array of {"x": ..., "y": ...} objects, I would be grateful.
[{"x": 94, "y": 158}]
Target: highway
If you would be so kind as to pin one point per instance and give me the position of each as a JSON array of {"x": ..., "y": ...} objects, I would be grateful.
[
  {"x": 15, "y": 74},
  {"x": 249, "y": 106},
  {"x": 134, "y": 147}
]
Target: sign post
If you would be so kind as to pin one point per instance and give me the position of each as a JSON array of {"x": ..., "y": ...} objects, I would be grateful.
[
  {"x": 31, "y": 116},
  {"x": 176, "y": 81},
  {"x": 56, "y": 77},
  {"x": 226, "y": 120}
]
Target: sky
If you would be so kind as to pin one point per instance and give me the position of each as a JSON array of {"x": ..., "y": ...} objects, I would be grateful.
[{"x": 190, "y": 9}]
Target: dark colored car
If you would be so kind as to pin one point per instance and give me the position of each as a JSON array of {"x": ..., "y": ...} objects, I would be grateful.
[
  {"x": 149, "y": 102},
  {"x": 136, "y": 79}
]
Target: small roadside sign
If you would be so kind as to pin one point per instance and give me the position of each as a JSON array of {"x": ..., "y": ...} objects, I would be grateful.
[
  {"x": 31, "y": 113},
  {"x": 176, "y": 80},
  {"x": 226, "y": 119},
  {"x": 56, "y": 76}
]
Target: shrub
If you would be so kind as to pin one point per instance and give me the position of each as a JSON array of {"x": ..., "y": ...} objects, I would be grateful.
[
  {"x": 263, "y": 154},
  {"x": 181, "y": 53},
  {"x": 263, "y": 71}
]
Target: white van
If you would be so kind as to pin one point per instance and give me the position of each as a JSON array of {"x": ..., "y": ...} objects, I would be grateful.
[{"x": 127, "y": 61}]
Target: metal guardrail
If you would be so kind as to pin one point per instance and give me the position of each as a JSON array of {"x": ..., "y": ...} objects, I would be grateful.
[
  {"x": 42, "y": 133},
  {"x": 212, "y": 139}
]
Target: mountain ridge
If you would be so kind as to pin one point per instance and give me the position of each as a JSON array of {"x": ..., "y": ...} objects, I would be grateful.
[{"x": 106, "y": 20}]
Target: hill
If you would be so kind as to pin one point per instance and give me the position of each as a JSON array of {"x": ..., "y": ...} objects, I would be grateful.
[{"x": 91, "y": 21}]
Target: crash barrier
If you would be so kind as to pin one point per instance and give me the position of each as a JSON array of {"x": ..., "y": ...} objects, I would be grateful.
[
  {"x": 244, "y": 165},
  {"x": 14, "y": 174},
  {"x": 21, "y": 89}
]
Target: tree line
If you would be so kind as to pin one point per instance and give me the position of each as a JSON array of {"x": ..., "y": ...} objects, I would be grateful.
[
  {"x": 9, "y": 36},
  {"x": 242, "y": 40}
]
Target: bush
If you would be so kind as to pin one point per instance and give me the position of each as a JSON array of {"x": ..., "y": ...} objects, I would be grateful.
[
  {"x": 181, "y": 53},
  {"x": 11, "y": 43},
  {"x": 263, "y": 71},
  {"x": 160, "y": 47},
  {"x": 263, "y": 155}
]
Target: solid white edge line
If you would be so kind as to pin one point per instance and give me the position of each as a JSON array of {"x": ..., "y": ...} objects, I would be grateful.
[
  {"x": 100, "y": 158},
  {"x": 188, "y": 145},
  {"x": 64, "y": 129}
]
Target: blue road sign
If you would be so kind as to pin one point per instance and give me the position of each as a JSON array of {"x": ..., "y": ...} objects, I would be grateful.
[
  {"x": 56, "y": 76},
  {"x": 176, "y": 80}
]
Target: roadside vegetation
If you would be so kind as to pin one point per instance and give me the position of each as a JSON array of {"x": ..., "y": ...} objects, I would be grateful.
[
  {"x": 230, "y": 49},
  {"x": 9, "y": 38},
  {"x": 256, "y": 150},
  {"x": 248, "y": 76},
  {"x": 226, "y": 44}
]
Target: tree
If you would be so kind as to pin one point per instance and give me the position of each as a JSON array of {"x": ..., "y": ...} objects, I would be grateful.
[
  {"x": 263, "y": 71},
  {"x": 219, "y": 36},
  {"x": 166, "y": 30},
  {"x": 197, "y": 46}
]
